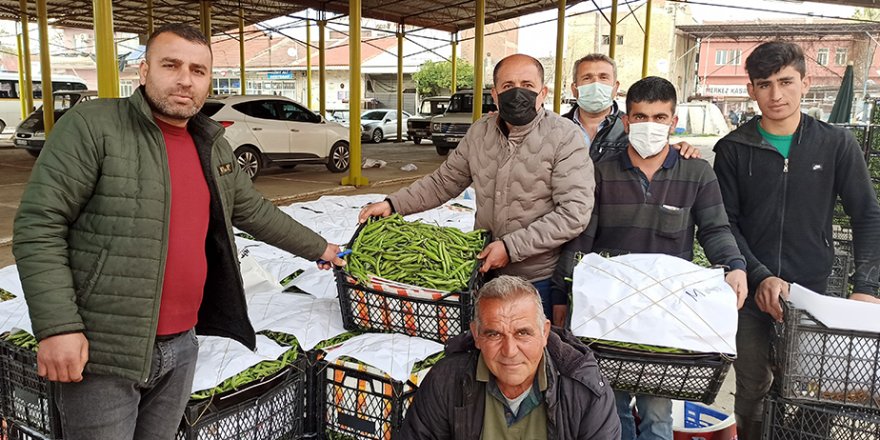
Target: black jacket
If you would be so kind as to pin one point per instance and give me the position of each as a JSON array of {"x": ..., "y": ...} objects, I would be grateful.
[
  {"x": 780, "y": 210},
  {"x": 450, "y": 402},
  {"x": 610, "y": 140}
]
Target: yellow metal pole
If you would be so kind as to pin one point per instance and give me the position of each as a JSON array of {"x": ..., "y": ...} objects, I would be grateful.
[
  {"x": 27, "y": 88},
  {"x": 354, "y": 112},
  {"x": 400, "y": 82},
  {"x": 479, "y": 33},
  {"x": 149, "y": 18},
  {"x": 105, "y": 49},
  {"x": 309, "y": 65},
  {"x": 612, "y": 36},
  {"x": 454, "y": 61},
  {"x": 242, "y": 80},
  {"x": 205, "y": 17},
  {"x": 45, "y": 67},
  {"x": 21, "y": 69},
  {"x": 647, "y": 39},
  {"x": 560, "y": 48},
  {"x": 322, "y": 68}
]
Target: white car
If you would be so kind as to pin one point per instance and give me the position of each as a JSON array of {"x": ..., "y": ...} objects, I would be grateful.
[
  {"x": 269, "y": 131},
  {"x": 380, "y": 124}
]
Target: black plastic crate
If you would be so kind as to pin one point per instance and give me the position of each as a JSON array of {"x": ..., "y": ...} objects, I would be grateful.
[
  {"x": 360, "y": 402},
  {"x": 694, "y": 377},
  {"x": 372, "y": 310},
  {"x": 272, "y": 409},
  {"x": 790, "y": 420},
  {"x": 844, "y": 262},
  {"x": 860, "y": 132},
  {"x": 28, "y": 399},
  {"x": 819, "y": 364},
  {"x": 14, "y": 431}
]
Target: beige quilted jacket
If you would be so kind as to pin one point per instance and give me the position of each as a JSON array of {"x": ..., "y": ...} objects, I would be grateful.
[{"x": 535, "y": 194}]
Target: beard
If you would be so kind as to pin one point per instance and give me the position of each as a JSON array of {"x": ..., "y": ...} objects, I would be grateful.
[{"x": 161, "y": 104}]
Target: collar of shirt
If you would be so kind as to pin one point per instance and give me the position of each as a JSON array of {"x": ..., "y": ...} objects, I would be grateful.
[
  {"x": 671, "y": 159},
  {"x": 603, "y": 124},
  {"x": 532, "y": 401}
]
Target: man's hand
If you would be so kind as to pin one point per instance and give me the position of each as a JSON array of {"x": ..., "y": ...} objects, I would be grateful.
[
  {"x": 61, "y": 358},
  {"x": 767, "y": 296},
  {"x": 687, "y": 150},
  {"x": 329, "y": 257},
  {"x": 865, "y": 298},
  {"x": 738, "y": 282},
  {"x": 381, "y": 209},
  {"x": 560, "y": 314},
  {"x": 494, "y": 256}
]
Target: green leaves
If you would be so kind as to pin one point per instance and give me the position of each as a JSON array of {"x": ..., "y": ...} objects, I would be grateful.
[{"x": 435, "y": 78}]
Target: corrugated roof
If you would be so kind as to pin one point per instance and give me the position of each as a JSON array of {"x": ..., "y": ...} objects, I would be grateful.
[{"x": 778, "y": 29}]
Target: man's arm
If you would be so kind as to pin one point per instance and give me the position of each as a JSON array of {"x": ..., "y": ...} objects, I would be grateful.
[
  {"x": 601, "y": 421},
  {"x": 573, "y": 186},
  {"x": 449, "y": 180},
  {"x": 859, "y": 199},
  {"x": 427, "y": 416}
]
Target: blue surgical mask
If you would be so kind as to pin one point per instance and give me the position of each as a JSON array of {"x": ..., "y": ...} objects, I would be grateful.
[{"x": 594, "y": 97}]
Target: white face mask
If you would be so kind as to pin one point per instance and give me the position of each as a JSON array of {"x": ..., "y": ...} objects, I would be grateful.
[
  {"x": 594, "y": 97},
  {"x": 648, "y": 138}
]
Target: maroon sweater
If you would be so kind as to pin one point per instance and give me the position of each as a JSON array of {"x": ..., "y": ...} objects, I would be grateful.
[{"x": 186, "y": 265}]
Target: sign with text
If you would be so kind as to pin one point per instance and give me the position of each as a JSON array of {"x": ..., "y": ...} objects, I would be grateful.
[{"x": 727, "y": 90}]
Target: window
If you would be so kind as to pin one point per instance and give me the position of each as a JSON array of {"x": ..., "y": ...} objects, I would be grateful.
[
  {"x": 211, "y": 108},
  {"x": 8, "y": 89},
  {"x": 296, "y": 113},
  {"x": 840, "y": 56},
  {"x": 606, "y": 39},
  {"x": 730, "y": 57},
  {"x": 822, "y": 57},
  {"x": 258, "y": 109}
]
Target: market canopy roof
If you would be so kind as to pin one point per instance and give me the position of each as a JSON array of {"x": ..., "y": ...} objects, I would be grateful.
[{"x": 778, "y": 29}]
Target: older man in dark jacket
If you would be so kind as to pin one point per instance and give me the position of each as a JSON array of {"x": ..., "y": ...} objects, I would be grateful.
[{"x": 513, "y": 377}]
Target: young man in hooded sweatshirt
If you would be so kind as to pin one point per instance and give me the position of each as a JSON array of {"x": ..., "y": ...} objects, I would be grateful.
[{"x": 780, "y": 175}]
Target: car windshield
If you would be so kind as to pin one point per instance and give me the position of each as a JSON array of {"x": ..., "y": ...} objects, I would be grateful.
[
  {"x": 373, "y": 116},
  {"x": 426, "y": 108},
  {"x": 465, "y": 103}
]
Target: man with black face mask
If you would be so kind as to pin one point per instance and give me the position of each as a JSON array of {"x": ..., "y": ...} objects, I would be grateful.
[{"x": 531, "y": 171}]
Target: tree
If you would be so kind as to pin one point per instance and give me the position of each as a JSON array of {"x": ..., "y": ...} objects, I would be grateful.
[
  {"x": 871, "y": 14},
  {"x": 435, "y": 78}
]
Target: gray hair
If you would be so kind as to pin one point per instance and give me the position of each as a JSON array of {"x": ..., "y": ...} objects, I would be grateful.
[
  {"x": 507, "y": 287},
  {"x": 593, "y": 57}
]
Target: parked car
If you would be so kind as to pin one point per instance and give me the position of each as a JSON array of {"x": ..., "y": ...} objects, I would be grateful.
[
  {"x": 448, "y": 129},
  {"x": 273, "y": 130},
  {"x": 380, "y": 124},
  {"x": 338, "y": 115},
  {"x": 418, "y": 127},
  {"x": 31, "y": 133}
]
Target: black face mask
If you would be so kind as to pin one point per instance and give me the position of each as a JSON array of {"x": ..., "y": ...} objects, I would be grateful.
[{"x": 517, "y": 106}]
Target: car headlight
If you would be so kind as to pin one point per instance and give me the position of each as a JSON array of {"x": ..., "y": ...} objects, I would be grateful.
[{"x": 435, "y": 126}]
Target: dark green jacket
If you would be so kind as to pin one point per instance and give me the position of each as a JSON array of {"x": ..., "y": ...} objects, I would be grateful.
[{"x": 91, "y": 233}]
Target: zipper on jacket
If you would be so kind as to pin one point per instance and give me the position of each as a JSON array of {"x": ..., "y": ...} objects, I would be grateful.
[{"x": 782, "y": 216}]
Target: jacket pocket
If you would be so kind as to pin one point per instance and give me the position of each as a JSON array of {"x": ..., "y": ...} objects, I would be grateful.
[
  {"x": 85, "y": 291},
  {"x": 671, "y": 221}
]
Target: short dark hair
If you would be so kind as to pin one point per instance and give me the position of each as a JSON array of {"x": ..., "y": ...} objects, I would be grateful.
[
  {"x": 651, "y": 89},
  {"x": 592, "y": 58},
  {"x": 533, "y": 59},
  {"x": 773, "y": 56},
  {"x": 184, "y": 31}
]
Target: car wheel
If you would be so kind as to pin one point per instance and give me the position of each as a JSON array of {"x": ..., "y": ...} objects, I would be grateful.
[
  {"x": 417, "y": 140},
  {"x": 249, "y": 160},
  {"x": 443, "y": 151},
  {"x": 377, "y": 136},
  {"x": 339, "y": 158}
]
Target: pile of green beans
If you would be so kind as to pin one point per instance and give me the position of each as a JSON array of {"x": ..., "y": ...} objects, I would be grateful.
[
  {"x": 5, "y": 295},
  {"x": 638, "y": 347},
  {"x": 257, "y": 372},
  {"x": 415, "y": 253},
  {"x": 22, "y": 339}
]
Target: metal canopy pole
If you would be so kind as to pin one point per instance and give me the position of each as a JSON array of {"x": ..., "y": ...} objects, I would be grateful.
[
  {"x": 21, "y": 69},
  {"x": 27, "y": 87},
  {"x": 612, "y": 36},
  {"x": 400, "y": 28},
  {"x": 205, "y": 17},
  {"x": 322, "y": 68},
  {"x": 149, "y": 18},
  {"x": 454, "y": 61},
  {"x": 354, "y": 112},
  {"x": 647, "y": 46},
  {"x": 560, "y": 48},
  {"x": 479, "y": 31},
  {"x": 45, "y": 67},
  {"x": 309, "y": 64},
  {"x": 242, "y": 80},
  {"x": 105, "y": 49}
]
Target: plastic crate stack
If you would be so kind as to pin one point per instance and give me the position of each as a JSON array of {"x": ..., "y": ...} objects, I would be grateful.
[
  {"x": 355, "y": 400},
  {"x": 28, "y": 403},
  {"x": 829, "y": 382}
]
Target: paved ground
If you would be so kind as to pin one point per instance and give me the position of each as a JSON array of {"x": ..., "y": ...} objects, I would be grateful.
[{"x": 305, "y": 182}]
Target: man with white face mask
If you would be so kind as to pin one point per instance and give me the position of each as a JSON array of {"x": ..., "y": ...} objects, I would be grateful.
[{"x": 649, "y": 201}]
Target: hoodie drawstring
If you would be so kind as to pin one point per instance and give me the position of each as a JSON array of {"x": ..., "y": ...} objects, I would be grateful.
[{"x": 750, "y": 162}]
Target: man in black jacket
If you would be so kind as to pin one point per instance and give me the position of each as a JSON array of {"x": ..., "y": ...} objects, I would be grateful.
[
  {"x": 512, "y": 377},
  {"x": 780, "y": 175}
]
